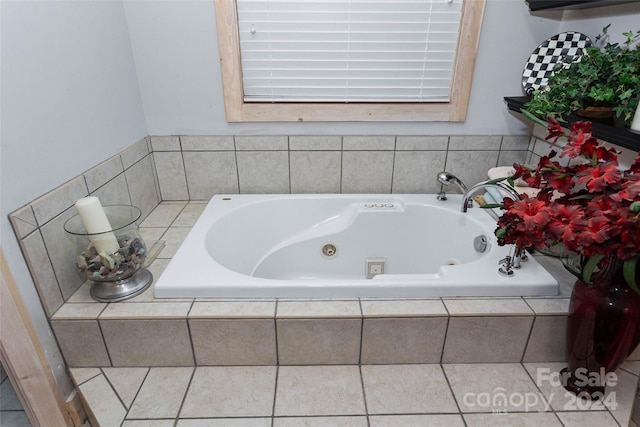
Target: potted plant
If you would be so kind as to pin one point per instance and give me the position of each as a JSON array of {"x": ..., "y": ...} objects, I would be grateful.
[
  {"x": 605, "y": 77},
  {"x": 593, "y": 208}
]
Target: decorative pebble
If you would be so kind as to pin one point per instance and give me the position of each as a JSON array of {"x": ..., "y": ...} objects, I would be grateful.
[
  {"x": 112, "y": 267},
  {"x": 82, "y": 262}
]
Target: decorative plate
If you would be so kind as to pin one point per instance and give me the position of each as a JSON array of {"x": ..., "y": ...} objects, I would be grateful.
[{"x": 539, "y": 67}]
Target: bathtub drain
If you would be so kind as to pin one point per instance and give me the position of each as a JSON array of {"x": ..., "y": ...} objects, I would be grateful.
[{"x": 329, "y": 250}]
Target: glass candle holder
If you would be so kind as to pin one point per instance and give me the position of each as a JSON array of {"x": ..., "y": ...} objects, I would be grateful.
[{"x": 117, "y": 275}]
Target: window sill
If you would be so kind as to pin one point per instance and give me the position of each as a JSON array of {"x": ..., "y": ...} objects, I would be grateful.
[{"x": 601, "y": 129}]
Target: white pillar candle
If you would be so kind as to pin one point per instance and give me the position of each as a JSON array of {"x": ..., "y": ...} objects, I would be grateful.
[
  {"x": 97, "y": 224},
  {"x": 635, "y": 125}
]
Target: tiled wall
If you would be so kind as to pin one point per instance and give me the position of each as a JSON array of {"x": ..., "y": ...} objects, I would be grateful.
[
  {"x": 128, "y": 178},
  {"x": 197, "y": 167},
  {"x": 345, "y": 332}
]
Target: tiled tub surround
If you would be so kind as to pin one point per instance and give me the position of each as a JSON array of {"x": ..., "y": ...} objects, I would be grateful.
[
  {"x": 294, "y": 362},
  {"x": 196, "y": 167},
  {"x": 146, "y": 331},
  {"x": 125, "y": 179},
  {"x": 203, "y": 362},
  {"x": 149, "y": 334}
]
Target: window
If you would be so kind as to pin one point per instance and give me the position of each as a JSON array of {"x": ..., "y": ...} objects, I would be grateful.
[{"x": 347, "y": 60}]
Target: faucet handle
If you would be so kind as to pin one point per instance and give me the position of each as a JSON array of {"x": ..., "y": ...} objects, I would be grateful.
[{"x": 506, "y": 267}]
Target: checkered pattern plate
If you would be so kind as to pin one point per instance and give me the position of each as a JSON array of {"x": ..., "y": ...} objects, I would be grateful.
[{"x": 539, "y": 67}]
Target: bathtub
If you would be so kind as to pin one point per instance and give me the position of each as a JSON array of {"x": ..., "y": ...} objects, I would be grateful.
[{"x": 344, "y": 246}]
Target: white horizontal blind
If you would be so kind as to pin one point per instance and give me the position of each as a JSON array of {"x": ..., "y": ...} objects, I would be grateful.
[{"x": 348, "y": 50}]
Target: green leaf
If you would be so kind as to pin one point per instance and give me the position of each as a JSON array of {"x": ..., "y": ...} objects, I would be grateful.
[
  {"x": 491, "y": 206},
  {"x": 532, "y": 117},
  {"x": 496, "y": 180},
  {"x": 629, "y": 272},
  {"x": 500, "y": 232},
  {"x": 589, "y": 266},
  {"x": 635, "y": 207}
]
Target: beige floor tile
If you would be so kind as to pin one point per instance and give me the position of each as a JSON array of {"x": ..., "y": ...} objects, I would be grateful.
[
  {"x": 234, "y": 342},
  {"x": 403, "y": 308},
  {"x": 14, "y": 419},
  {"x": 233, "y": 309},
  {"x": 235, "y": 391},
  {"x": 173, "y": 238},
  {"x": 482, "y": 307},
  {"x": 105, "y": 407},
  {"x": 81, "y": 375},
  {"x": 547, "y": 340},
  {"x": 90, "y": 351},
  {"x": 319, "y": 341},
  {"x": 190, "y": 214},
  {"x": 226, "y": 422},
  {"x": 161, "y": 393},
  {"x": 126, "y": 382},
  {"x": 163, "y": 215},
  {"x": 532, "y": 419},
  {"x": 559, "y": 398},
  {"x": 504, "y": 387},
  {"x": 621, "y": 405},
  {"x": 446, "y": 420},
  {"x": 8, "y": 398},
  {"x": 407, "y": 389},
  {"x": 149, "y": 423},
  {"x": 320, "y": 422},
  {"x": 319, "y": 390},
  {"x": 583, "y": 419},
  {"x": 403, "y": 340},
  {"x": 307, "y": 309},
  {"x": 148, "y": 342},
  {"x": 492, "y": 339}
]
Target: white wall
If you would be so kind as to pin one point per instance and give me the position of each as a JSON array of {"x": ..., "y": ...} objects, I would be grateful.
[
  {"x": 70, "y": 100},
  {"x": 623, "y": 17},
  {"x": 176, "y": 55}
]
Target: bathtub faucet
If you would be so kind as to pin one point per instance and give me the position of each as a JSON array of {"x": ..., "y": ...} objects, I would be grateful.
[
  {"x": 446, "y": 178},
  {"x": 509, "y": 262}
]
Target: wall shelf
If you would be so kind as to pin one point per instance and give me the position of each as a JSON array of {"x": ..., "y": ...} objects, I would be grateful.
[
  {"x": 601, "y": 129},
  {"x": 535, "y": 5}
]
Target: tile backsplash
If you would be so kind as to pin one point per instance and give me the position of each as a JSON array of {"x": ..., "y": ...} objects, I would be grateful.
[
  {"x": 165, "y": 168},
  {"x": 128, "y": 178},
  {"x": 196, "y": 168}
]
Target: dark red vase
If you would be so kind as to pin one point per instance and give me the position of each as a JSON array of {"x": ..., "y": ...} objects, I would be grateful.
[{"x": 603, "y": 328}]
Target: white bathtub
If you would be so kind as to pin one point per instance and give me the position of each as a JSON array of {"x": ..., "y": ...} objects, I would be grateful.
[{"x": 272, "y": 246}]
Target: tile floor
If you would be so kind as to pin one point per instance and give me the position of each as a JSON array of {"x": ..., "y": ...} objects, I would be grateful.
[
  {"x": 11, "y": 412},
  {"x": 504, "y": 394},
  {"x": 481, "y": 394}
]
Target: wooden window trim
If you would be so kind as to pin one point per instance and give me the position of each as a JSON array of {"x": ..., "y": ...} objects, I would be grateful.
[{"x": 236, "y": 110}]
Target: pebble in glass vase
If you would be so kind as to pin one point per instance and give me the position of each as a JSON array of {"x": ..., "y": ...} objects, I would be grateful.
[{"x": 110, "y": 254}]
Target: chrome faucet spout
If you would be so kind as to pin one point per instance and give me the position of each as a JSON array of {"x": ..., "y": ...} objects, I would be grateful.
[
  {"x": 447, "y": 178},
  {"x": 508, "y": 191}
]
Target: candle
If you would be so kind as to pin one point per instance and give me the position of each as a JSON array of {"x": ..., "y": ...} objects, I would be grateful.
[
  {"x": 97, "y": 224},
  {"x": 635, "y": 125}
]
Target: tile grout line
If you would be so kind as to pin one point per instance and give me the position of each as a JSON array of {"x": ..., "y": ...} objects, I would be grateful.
[
  {"x": 134, "y": 397},
  {"x": 184, "y": 397},
  {"x": 275, "y": 394},
  {"x": 364, "y": 395}
]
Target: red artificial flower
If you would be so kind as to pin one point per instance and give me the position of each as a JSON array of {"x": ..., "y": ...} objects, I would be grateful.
[
  {"x": 596, "y": 178},
  {"x": 589, "y": 204}
]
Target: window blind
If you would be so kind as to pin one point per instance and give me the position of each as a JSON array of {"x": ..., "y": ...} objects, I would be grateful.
[{"x": 348, "y": 50}]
